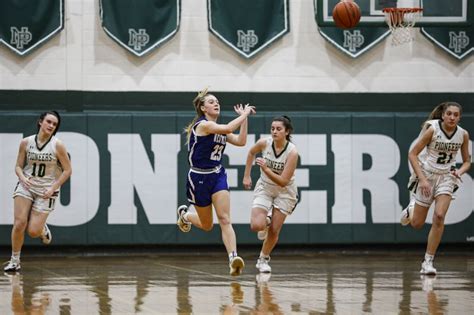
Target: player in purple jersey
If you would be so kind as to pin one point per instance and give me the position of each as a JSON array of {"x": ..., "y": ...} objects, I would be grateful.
[
  {"x": 42, "y": 166},
  {"x": 207, "y": 179}
]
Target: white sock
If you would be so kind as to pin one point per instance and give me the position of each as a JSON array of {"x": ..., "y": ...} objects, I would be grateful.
[
  {"x": 262, "y": 255},
  {"x": 16, "y": 255},
  {"x": 232, "y": 255},
  {"x": 429, "y": 257}
]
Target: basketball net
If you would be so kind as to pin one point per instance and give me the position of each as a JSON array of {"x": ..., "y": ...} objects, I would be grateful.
[{"x": 401, "y": 22}]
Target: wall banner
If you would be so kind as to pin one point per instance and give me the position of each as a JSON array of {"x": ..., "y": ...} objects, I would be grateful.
[
  {"x": 140, "y": 26},
  {"x": 26, "y": 24},
  {"x": 248, "y": 26},
  {"x": 355, "y": 41},
  {"x": 457, "y": 41}
]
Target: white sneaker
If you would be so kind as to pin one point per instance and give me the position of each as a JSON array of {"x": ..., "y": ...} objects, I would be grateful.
[
  {"x": 262, "y": 235},
  {"x": 236, "y": 266},
  {"x": 183, "y": 224},
  {"x": 262, "y": 265},
  {"x": 12, "y": 266},
  {"x": 427, "y": 268},
  {"x": 405, "y": 216},
  {"x": 46, "y": 237}
]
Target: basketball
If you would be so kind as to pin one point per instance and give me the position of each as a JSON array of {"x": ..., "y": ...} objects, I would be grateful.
[{"x": 346, "y": 14}]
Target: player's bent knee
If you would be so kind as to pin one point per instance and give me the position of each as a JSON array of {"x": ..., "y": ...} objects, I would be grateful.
[
  {"x": 257, "y": 226},
  {"x": 207, "y": 227},
  {"x": 417, "y": 225},
  {"x": 34, "y": 232}
]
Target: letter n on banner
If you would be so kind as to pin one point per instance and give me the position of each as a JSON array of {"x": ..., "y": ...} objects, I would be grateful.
[
  {"x": 248, "y": 26},
  {"x": 140, "y": 26},
  {"x": 25, "y": 25}
]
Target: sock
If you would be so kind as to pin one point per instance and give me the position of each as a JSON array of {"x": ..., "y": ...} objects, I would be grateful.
[
  {"x": 429, "y": 257},
  {"x": 16, "y": 255},
  {"x": 185, "y": 217},
  {"x": 232, "y": 255},
  {"x": 262, "y": 255}
]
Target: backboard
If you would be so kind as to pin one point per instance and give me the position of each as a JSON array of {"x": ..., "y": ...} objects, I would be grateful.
[{"x": 443, "y": 13}]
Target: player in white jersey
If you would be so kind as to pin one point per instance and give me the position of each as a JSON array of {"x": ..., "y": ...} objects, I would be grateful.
[
  {"x": 435, "y": 177},
  {"x": 42, "y": 166},
  {"x": 275, "y": 193}
]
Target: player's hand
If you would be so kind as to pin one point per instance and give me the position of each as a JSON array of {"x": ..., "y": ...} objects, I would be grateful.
[
  {"x": 262, "y": 163},
  {"x": 249, "y": 109},
  {"x": 25, "y": 181},
  {"x": 425, "y": 187},
  {"x": 247, "y": 182},
  {"x": 239, "y": 109},
  {"x": 48, "y": 193},
  {"x": 454, "y": 172}
]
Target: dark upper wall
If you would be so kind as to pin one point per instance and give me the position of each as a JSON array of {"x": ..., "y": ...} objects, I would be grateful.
[{"x": 80, "y": 101}]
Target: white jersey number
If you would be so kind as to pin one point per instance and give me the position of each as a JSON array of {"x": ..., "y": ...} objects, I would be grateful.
[{"x": 216, "y": 155}]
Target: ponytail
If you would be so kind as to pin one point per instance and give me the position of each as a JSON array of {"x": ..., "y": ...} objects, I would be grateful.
[{"x": 197, "y": 102}]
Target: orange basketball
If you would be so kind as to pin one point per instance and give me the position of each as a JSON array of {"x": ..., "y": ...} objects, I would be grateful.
[{"x": 346, "y": 14}]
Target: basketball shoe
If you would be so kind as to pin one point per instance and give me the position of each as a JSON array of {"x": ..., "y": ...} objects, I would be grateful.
[
  {"x": 46, "y": 236},
  {"x": 262, "y": 235},
  {"x": 262, "y": 265},
  {"x": 405, "y": 216},
  {"x": 427, "y": 268},
  {"x": 183, "y": 224},
  {"x": 13, "y": 265},
  {"x": 236, "y": 266}
]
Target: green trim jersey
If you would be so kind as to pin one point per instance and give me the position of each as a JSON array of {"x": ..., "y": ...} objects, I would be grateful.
[
  {"x": 441, "y": 152},
  {"x": 275, "y": 162},
  {"x": 42, "y": 166}
]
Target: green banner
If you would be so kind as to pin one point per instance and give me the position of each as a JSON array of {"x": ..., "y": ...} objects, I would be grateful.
[
  {"x": 248, "y": 26},
  {"x": 354, "y": 41},
  {"x": 26, "y": 24},
  {"x": 140, "y": 26},
  {"x": 457, "y": 41}
]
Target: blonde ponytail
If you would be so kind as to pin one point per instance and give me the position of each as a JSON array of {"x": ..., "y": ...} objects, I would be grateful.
[{"x": 197, "y": 102}]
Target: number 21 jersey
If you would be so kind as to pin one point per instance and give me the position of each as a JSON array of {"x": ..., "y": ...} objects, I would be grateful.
[{"x": 441, "y": 152}]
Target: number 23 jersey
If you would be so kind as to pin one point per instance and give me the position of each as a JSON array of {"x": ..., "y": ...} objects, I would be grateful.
[
  {"x": 441, "y": 152},
  {"x": 205, "y": 152}
]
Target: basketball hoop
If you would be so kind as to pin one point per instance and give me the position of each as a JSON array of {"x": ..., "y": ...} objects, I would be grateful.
[{"x": 401, "y": 22}]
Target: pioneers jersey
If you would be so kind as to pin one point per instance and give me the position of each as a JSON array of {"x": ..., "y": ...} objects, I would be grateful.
[
  {"x": 205, "y": 152},
  {"x": 275, "y": 162},
  {"x": 42, "y": 167},
  {"x": 440, "y": 154}
]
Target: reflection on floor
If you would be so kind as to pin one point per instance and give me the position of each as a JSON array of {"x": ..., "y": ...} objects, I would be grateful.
[{"x": 157, "y": 284}]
